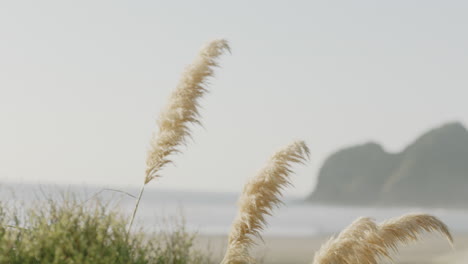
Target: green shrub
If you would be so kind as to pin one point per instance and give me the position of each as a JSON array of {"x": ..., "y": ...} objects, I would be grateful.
[{"x": 71, "y": 232}]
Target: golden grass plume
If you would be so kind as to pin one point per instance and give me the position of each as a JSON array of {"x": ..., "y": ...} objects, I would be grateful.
[
  {"x": 180, "y": 112},
  {"x": 260, "y": 195},
  {"x": 408, "y": 228},
  {"x": 366, "y": 242},
  {"x": 182, "y": 109},
  {"x": 348, "y": 247}
]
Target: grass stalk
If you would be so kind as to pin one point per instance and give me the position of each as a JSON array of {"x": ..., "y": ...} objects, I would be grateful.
[
  {"x": 137, "y": 204},
  {"x": 180, "y": 112}
]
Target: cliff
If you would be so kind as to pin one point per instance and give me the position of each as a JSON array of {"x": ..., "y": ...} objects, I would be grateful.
[{"x": 432, "y": 171}]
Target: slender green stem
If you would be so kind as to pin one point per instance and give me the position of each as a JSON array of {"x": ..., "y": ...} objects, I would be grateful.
[{"x": 136, "y": 208}]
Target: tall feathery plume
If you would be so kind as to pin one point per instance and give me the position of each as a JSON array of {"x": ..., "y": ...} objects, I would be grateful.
[
  {"x": 180, "y": 112},
  {"x": 406, "y": 229},
  {"x": 344, "y": 246},
  {"x": 260, "y": 195},
  {"x": 366, "y": 242}
]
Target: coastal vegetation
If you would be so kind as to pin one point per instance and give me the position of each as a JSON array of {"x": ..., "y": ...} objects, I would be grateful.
[
  {"x": 74, "y": 231},
  {"x": 70, "y": 231}
]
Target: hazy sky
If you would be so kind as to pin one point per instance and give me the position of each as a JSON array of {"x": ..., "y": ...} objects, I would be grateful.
[{"x": 82, "y": 82}]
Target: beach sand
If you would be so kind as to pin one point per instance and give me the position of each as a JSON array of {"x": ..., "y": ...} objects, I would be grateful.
[{"x": 300, "y": 250}]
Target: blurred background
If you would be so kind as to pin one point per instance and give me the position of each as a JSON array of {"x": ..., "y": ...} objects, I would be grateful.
[{"x": 376, "y": 89}]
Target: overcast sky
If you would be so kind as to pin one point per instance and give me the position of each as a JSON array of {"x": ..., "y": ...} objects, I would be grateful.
[{"x": 82, "y": 82}]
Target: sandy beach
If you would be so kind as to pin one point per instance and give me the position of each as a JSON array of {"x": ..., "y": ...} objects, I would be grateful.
[{"x": 300, "y": 250}]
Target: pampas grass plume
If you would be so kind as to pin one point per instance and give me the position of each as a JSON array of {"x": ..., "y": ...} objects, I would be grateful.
[
  {"x": 182, "y": 108},
  {"x": 366, "y": 242},
  {"x": 180, "y": 112},
  {"x": 408, "y": 228},
  {"x": 260, "y": 195},
  {"x": 347, "y": 247}
]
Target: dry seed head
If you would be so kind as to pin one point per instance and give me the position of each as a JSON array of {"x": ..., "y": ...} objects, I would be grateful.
[
  {"x": 365, "y": 242},
  {"x": 260, "y": 195},
  {"x": 345, "y": 248},
  {"x": 409, "y": 227},
  {"x": 182, "y": 108}
]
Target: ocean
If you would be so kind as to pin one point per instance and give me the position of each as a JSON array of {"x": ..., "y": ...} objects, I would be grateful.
[{"x": 212, "y": 213}]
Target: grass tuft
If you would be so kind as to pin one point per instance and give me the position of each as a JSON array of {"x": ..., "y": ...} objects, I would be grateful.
[{"x": 71, "y": 232}]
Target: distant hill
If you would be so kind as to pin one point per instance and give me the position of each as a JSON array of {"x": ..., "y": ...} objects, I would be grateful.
[{"x": 431, "y": 172}]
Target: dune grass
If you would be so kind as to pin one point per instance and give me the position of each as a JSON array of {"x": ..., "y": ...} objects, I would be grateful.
[{"x": 69, "y": 232}]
